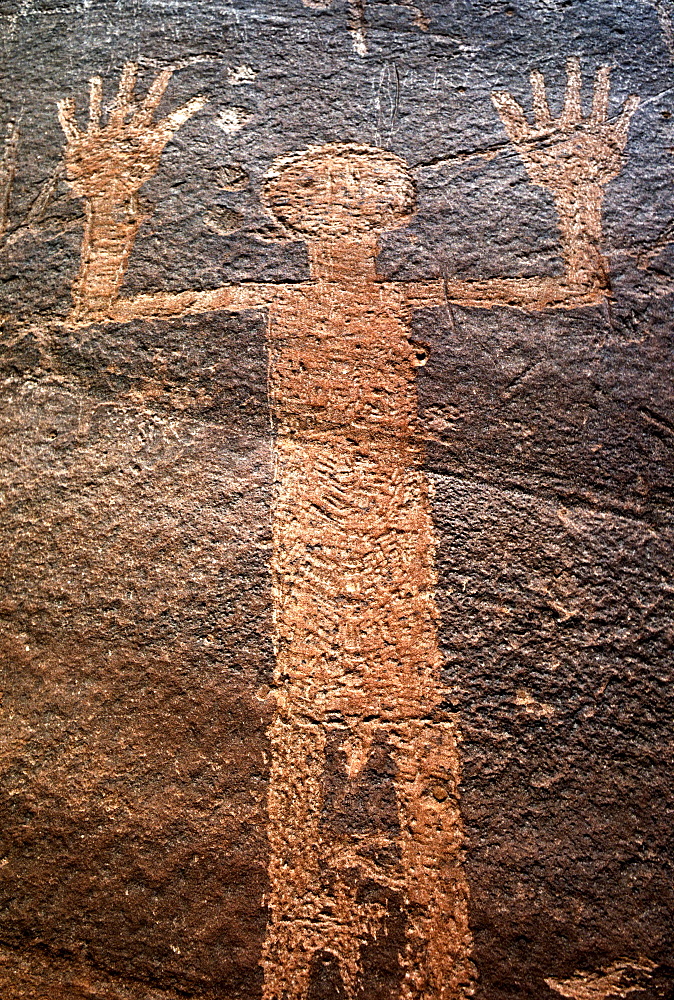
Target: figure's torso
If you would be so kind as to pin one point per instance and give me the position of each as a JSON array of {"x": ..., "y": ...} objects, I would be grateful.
[{"x": 353, "y": 536}]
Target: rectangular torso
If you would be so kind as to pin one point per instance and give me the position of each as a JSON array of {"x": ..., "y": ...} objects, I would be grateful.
[{"x": 353, "y": 535}]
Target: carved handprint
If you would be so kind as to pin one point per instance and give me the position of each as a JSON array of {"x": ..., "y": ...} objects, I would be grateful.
[
  {"x": 574, "y": 158},
  {"x": 106, "y": 165},
  {"x": 110, "y": 163},
  {"x": 569, "y": 150}
]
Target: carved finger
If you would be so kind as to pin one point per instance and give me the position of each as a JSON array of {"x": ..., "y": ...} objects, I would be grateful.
[
  {"x": 66, "y": 113},
  {"x": 95, "y": 99},
  {"x": 154, "y": 95},
  {"x": 573, "y": 111},
  {"x": 622, "y": 125},
  {"x": 511, "y": 114},
  {"x": 541, "y": 109},
  {"x": 124, "y": 101},
  {"x": 11, "y": 142},
  {"x": 172, "y": 122},
  {"x": 602, "y": 89}
]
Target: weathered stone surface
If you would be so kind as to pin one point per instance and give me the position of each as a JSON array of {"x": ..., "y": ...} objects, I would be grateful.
[{"x": 291, "y": 544}]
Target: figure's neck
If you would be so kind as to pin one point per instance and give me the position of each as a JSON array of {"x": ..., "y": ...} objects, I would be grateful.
[{"x": 344, "y": 261}]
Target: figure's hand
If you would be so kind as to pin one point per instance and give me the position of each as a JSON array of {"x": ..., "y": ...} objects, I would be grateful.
[
  {"x": 7, "y": 169},
  {"x": 110, "y": 163},
  {"x": 569, "y": 152}
]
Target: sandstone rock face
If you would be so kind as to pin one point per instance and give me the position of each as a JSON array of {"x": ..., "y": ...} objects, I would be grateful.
[{"x": 336, "y": 610}]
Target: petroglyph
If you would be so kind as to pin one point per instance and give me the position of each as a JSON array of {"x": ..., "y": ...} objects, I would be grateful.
[
  {"x": 617, "y": 980},
  {"x": 238, "y": 76},
  {"x": 107, "y": 165},
  {"x": 232, "y": 120},
  {"x": 357, "y": 658},
  {"x": 356, "y": 19},
  {"x": 353, "y": 588}
]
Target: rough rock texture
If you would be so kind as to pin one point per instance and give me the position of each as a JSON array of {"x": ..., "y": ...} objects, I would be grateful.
[{"x": 327, "y": 481}]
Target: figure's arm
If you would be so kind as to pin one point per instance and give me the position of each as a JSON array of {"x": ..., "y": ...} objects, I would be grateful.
[
  {"x": 107, "y": 165},
  {"x": 522, "y": 293},
  {"x": 574, "y": 158},
  {"x": 247, "y": 295}
]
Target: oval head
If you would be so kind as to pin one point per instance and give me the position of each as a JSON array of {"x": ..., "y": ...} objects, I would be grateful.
[{"x": 340, "y": 191}]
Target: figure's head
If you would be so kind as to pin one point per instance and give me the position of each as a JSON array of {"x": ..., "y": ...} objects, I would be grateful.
[{"x": 336, "y": 191}]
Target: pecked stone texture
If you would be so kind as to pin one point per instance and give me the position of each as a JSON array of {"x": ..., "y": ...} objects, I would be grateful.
[{"x": 162, "y": 466}]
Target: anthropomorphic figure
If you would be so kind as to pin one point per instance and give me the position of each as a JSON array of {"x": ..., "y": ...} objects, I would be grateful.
[{"x": 357, "y": 658}]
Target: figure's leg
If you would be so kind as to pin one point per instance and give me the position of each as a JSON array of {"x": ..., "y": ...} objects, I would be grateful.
[
  {"x": 294, "y": 806},
  {"x": 313, "y": 883},
  {"x": 437, "y": 956}
]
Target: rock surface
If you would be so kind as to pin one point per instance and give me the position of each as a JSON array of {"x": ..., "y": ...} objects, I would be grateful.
[{"x": 142, "y": 599}]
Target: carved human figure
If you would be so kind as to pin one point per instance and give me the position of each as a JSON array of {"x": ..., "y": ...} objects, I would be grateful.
[{"x": 357, "y": 657}]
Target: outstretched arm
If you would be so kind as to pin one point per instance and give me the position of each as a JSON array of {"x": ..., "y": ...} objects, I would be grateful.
[
  {"x": 237, "y": 298},
  {"x": 107, "y": 165},
  {"x": 532, "y": 294},
  {"x": 574, "y": 158}
]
